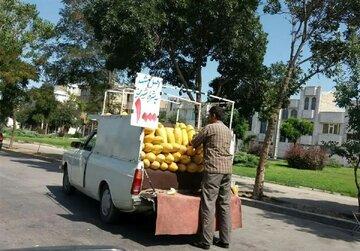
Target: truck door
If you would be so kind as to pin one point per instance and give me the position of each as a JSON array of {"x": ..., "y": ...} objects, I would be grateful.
[{"x": 81, "y": 159}]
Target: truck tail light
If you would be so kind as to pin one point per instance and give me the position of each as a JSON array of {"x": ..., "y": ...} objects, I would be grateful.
[{"x": 136, "y": 185}]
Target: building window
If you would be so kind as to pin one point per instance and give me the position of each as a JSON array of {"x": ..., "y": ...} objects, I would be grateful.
[
  {"x": 306, "y": 105},
  {"x": 331, "y": 128},
  {"x": 263, "y": 125},
  {"x": 293, "y": 114},
  {"x": 285, "y": 114},
  {"x": 313, "y": 103}
]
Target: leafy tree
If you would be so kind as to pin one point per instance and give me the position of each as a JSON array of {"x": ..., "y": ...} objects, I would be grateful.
[
  {"x": 78, "y": 57},
  {"x": 240, "y": 125},
  {"x": 13, "y": 96},
  {"x": 175, "y": 39},
  {"x": 66, "y": 115},
  {"x": 321, "y": 26},
  {"x": 22, "y": 37},
  {"x": 347, "y": 95},
  {"x": 294, "y": 128},
  {"x": 44, "y": 103}
]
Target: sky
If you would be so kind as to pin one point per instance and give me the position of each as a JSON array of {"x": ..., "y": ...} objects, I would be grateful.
[{"x": 278, "y": 47}]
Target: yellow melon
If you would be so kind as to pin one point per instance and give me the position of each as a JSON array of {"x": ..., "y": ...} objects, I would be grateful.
[
  {"x": 157, "y": 149},
  {"x": 146, "y": 163},
  {"x": 185, "y": 139},
  {"x": 182, "y": 149},
  {"x": 162, "y": 132},
  {"x": 177, "y": 156},
  {"x": 169, "y": 158},
  {"x": 150, "y": 156},
  {"x": 173, "y": 167},
  {"x": 158, "y": 140},
  {"x": 160, "y": 158},
  {"x": 148, "y": 131},
  {"x": 184, "y": 159},
  {"x": 167, "y": 147},
  {"x": 148, "y": 147},
  {"x": 191, "y": 167},
  {"x": 164, "y": 166},
  {"x": 142, "y": 155},
  {"x": 182, "y": 167},
  {"x": 155, "y": 165},
  {"x": 190, "y": 151},
  {"x": 149, "y": 138},
  {"x": 178, "y": 135},
  {"x": 170, "y": 135}
]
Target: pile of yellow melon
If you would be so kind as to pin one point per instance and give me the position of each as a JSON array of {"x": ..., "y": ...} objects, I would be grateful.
[{"x": 168, "y": 148}]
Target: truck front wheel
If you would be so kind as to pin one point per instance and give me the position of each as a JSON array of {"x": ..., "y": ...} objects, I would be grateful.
[
  {"x": 108, "y": 212},
  {"x": 67, "y": 187}
]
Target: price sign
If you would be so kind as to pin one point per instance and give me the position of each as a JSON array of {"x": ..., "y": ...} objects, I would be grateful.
[{"x": 146, "y": 104}]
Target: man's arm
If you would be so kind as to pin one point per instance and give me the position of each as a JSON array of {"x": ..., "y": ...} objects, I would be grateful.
[{"x": 199, "y": 138}]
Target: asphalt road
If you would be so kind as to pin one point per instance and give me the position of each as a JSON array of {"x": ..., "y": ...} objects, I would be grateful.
[{"x": 34, "y": 212}]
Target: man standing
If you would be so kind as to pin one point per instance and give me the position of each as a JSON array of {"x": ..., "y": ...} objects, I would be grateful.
[{"x": 216, "y": 184}]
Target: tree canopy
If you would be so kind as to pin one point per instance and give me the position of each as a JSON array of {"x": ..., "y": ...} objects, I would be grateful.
[
  {"x": 22, "y": 36},
  {"x": 175, "y": 39},
  {"x": 294, "y": 128}
]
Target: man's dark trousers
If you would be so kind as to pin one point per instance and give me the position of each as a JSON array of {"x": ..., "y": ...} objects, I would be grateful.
[{"x": 215, "y": 191}]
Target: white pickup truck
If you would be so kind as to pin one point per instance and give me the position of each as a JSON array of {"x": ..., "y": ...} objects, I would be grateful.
[{"x": 107, "y": 167}]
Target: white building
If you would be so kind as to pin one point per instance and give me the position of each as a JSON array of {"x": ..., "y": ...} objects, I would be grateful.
[
  {"x": 62, "y": 93},
  {"x": 330, "y": 121}
]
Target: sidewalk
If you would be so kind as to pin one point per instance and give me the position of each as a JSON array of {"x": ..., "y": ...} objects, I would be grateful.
[
  {"x": 306, "y": 199},
  {"x": 37, "y": 149}
]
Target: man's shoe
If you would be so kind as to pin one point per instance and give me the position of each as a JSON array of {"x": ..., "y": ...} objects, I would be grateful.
[
  {"x": 201, "y": 245},
  {"x": 220, "y": 243}
]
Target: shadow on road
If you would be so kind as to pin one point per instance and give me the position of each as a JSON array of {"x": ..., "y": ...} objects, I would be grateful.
[
  {"x": 32, "y": 160},
  {"x": 330, "y": 208},
  {"x": 319, "y": 229},
  {"x": 139, "y": 228}
]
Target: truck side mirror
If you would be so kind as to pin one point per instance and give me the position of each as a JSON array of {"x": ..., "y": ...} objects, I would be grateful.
[{"x": 76, "y": 144}]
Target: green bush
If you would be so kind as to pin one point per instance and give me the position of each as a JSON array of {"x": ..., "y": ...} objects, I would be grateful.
[{"x": 246, "y": 159}]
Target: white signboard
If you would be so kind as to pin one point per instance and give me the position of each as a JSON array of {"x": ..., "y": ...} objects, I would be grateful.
[{"x": 146, "y": 104}]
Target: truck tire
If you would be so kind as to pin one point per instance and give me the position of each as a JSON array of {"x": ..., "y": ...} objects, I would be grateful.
[
  {"x": 66, "y": 186},
  {"x": 108, "y": 212}
]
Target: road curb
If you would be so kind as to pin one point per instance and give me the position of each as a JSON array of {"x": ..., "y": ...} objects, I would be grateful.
[
  {"x": 33, "y": 155},
  {"x": 325, "y": 219}
]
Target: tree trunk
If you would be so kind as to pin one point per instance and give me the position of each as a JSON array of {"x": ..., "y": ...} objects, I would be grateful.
[
  {"x": 83, "y": 131},
  {"x": 42, "y": 125},
  {"x": 198, "y": 85},
  {"x": 356, "y": 167},
  {"x": 46, "y": 128},
  {"x": 260, "y": 171},
  {"x": 13, "y": 132}
]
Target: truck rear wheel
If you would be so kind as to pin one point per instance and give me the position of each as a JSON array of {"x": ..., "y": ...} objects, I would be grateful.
[
  {"x": 66, "y": 186},
  {"x": 108, "y": 212}
]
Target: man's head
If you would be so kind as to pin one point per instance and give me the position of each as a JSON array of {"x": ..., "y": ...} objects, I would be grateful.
[{"x": 216, "y": 113}]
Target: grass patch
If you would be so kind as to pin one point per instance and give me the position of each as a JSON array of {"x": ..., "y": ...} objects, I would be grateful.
[
  {"x": 48, "y": 140},
  {"x": 336, "y": 180}
]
